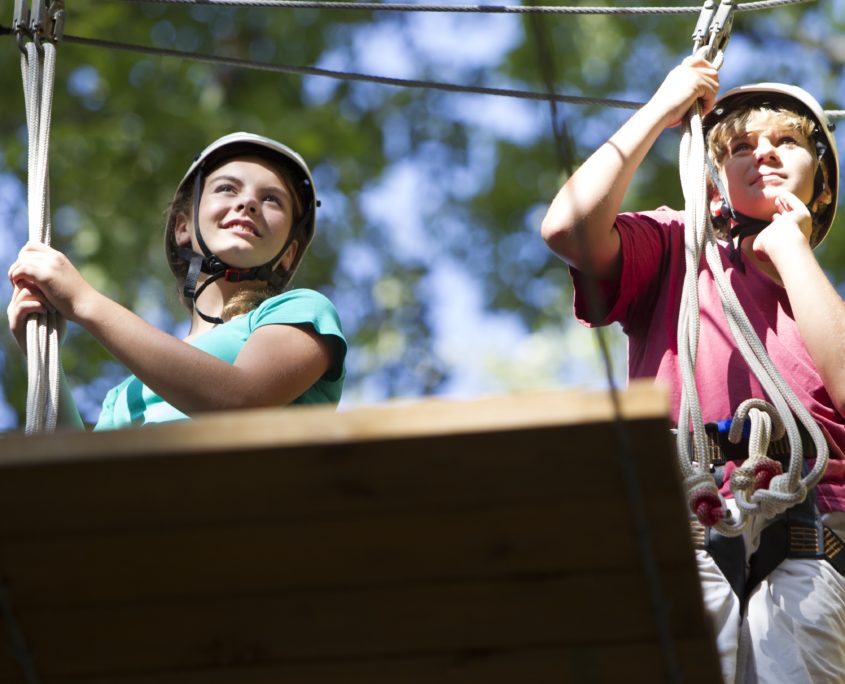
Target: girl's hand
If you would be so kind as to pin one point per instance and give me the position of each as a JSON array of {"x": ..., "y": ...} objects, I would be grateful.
[
  {"x": 47, "y": 276},
  {"x": 27, "y": 301},
  {"x": 791, "y": 228},
  {"x": 693, "y": 79}
]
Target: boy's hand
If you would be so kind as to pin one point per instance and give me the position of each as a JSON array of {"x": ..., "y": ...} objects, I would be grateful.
[
  {"x": 693, "y": 79},
  {"x": 791, "y": 228}
]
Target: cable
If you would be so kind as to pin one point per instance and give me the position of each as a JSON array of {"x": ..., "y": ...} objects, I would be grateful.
[
  {"x": 545, "y": 51},
  {"x": 348, "y": 76},
  {"x": 485, "y": 9}
]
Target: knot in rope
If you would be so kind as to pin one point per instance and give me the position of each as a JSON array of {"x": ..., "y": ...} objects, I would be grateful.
[
  {"x": 757, "y": 472},
  {"x": 704, "y": 500}
]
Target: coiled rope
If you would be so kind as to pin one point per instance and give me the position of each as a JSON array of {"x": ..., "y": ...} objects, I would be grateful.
[
  {"x": 38, "y": 68},
  {"x": 759, "y": 488}
]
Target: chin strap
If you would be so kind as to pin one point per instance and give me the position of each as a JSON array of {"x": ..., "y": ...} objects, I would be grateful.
[
  {"x": 746, "y": 227},
  {"x": 743, "y": 226},
  {"x": 209, "y": 263},
  {"x": 217, "y": 269}
]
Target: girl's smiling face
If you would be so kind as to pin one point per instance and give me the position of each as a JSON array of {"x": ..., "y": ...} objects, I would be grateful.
[
  {"x": 245, "y": 214},
  {"x": 765, "y": 158}
]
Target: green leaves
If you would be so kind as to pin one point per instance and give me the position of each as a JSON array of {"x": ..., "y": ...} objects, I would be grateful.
[{"x": 476, "y": 172}]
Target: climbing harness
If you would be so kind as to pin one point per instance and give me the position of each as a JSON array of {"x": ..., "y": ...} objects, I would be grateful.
[
  {"x": 797, "y": 533},
  {"x": 761, "y": 487},
  {"x": 37, "y": 32},
  {"x": 207, "y": 262}
]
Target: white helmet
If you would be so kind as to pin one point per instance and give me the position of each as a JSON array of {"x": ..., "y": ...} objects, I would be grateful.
[{"x": 800, "y": 101}]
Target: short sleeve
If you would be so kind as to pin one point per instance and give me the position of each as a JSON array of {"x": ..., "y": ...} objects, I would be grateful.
[
  {"x": 646, "y": 241},
  {"x": 305, "y": 307}
]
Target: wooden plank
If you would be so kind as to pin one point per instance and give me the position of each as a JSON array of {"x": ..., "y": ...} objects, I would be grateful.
[
  {"x": 312, "y": 425},
  {"x": 188, "y": 562},
  {"x": 318, "y": 480},
  {"x": 639, "y": 662},
  {"x": 463, "y": 538},
  {"x": 366, "y": 623}
]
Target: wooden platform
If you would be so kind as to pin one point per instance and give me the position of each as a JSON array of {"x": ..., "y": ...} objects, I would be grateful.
[{"x": 462, "y": 542}]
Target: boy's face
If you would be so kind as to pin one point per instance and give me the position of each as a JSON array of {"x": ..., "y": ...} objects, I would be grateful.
[{"x": 769, "y": 156}]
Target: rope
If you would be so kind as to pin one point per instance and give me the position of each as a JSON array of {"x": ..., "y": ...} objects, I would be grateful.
[
  {"x": 774, "y": 492},
  {"x": 486, "y": 9},
  {"x": 38, "y": 67}
]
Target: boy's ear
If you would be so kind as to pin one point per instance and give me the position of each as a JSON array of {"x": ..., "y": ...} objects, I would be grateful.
[
  {"x": 716, "y": 204},
  {"x": 182, "y": 231},
  {"x": 824, "y": 198}
]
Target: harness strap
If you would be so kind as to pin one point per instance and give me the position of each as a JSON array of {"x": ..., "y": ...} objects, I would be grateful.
[
  {"x": 727, "y": 552},
  {"x": 721, "y": 450}
]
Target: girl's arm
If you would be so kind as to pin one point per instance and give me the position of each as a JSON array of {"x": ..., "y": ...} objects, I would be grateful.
[
  {"x": 579, "y": 225},
  {"x": 276, "y": 365},
  {"x": 818, "y": 309},
  {"x": 26, "y": 301}
]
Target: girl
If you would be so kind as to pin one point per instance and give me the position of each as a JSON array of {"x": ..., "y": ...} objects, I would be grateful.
[{"x": 238, "y": 227}]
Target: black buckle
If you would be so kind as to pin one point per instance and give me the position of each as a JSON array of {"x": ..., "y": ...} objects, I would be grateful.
[{"x": 233, "y": 275}]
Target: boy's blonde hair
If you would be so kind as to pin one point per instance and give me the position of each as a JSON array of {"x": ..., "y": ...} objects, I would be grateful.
[{"x": 735, "y": 124}]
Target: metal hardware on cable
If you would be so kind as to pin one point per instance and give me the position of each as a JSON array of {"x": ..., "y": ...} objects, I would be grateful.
[
  {"x": 782, "y": 490},
  {"x": 720, "y": 29},
  {"x": 37, "y": 29}
]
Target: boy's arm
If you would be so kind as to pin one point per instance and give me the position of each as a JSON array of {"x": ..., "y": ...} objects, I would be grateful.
[
  {"x": 818, "y": 309},
  {"x": 579, "y": 225}
]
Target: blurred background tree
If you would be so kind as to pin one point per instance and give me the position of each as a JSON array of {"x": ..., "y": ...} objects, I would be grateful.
[{"x": 428, "y": 236}]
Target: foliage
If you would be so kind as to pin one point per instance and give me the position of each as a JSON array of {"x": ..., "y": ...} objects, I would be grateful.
[{"x": 429, "y": 198}]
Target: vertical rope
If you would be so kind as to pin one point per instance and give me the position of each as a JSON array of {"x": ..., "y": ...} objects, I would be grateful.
[
  {"x": 38, "y": 67},
  {"x": 784, "y": 490}
]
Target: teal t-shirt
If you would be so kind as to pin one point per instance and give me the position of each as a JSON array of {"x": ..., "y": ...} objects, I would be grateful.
[{"x": 133, "y": 403}]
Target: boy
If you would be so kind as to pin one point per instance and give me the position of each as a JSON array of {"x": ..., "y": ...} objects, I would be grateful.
[{"x": 776, "y": 162}]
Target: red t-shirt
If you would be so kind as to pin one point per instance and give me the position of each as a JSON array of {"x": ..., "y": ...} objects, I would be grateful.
[{"x": 646, "y": 301}]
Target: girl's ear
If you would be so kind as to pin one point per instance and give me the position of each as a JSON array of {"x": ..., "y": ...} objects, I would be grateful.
[
  {"x": 289, "y": 255},
  {"x": 182, "y": 231}
]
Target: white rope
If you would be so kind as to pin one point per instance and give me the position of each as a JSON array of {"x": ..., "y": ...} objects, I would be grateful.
[
  {"x": 782, "y": 490},
  {"x": 38, "y": 67}
]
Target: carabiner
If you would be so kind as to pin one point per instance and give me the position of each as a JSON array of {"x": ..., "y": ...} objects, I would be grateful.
[{"x": 720, "y": 28}]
